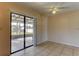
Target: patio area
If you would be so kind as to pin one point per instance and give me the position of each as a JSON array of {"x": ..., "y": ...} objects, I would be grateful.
[{"x": 19, "y": 43}]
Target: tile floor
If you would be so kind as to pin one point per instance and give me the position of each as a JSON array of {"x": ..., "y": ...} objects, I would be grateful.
[{"x": 49, "y": 49}]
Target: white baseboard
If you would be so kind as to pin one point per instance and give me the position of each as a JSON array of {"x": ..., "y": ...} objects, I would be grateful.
[{"x": 70, "y": 44}]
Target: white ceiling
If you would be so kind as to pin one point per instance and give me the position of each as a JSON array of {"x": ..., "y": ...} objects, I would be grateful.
[{"x": 43, "y": 7}]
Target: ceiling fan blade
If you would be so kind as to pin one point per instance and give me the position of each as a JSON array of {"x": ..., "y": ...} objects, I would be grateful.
[
  {"x": 63, "y": 7},
  {"x": 56, "y": 7}
]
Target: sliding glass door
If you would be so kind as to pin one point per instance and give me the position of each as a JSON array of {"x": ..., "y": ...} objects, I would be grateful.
[
  {"x": 17, "y": 32},
  {"x": 22, "y": 32}
]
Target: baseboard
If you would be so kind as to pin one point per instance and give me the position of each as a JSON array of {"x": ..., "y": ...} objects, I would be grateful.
[
  {"x": 41, "y": 42},
  {"x": 66, "y": 43}
]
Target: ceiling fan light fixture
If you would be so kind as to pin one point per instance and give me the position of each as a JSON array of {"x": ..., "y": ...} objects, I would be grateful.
[{"x": 53, "y": 12}]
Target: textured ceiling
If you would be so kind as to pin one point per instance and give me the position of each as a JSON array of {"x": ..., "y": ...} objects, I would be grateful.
[{"x": 43, "y": 7}]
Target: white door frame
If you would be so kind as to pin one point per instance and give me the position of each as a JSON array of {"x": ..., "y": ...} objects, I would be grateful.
[{"x": 35, "y": 32}]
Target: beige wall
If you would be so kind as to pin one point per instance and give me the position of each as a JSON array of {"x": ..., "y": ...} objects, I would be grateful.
[
  {"x": 5, "y": 9},
  {"x": 64, "y": 28},
  {"x": 44, "y": 28}
]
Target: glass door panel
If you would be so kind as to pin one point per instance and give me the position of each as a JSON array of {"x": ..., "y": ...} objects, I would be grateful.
[
  {"x": 29, "y": 31},
  {"x": 17, "y": 32}
]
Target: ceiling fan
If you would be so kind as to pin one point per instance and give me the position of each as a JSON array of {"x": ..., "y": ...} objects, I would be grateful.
[{"x": 56, "y": 9}]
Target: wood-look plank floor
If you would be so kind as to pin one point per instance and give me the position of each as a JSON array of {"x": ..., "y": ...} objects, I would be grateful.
[{"x": 49, "y": 49}]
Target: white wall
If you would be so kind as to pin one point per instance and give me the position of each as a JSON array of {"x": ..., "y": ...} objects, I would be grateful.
[
  {"x": 64, "y": 28},
  {"x": 44, "y": 27}
]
